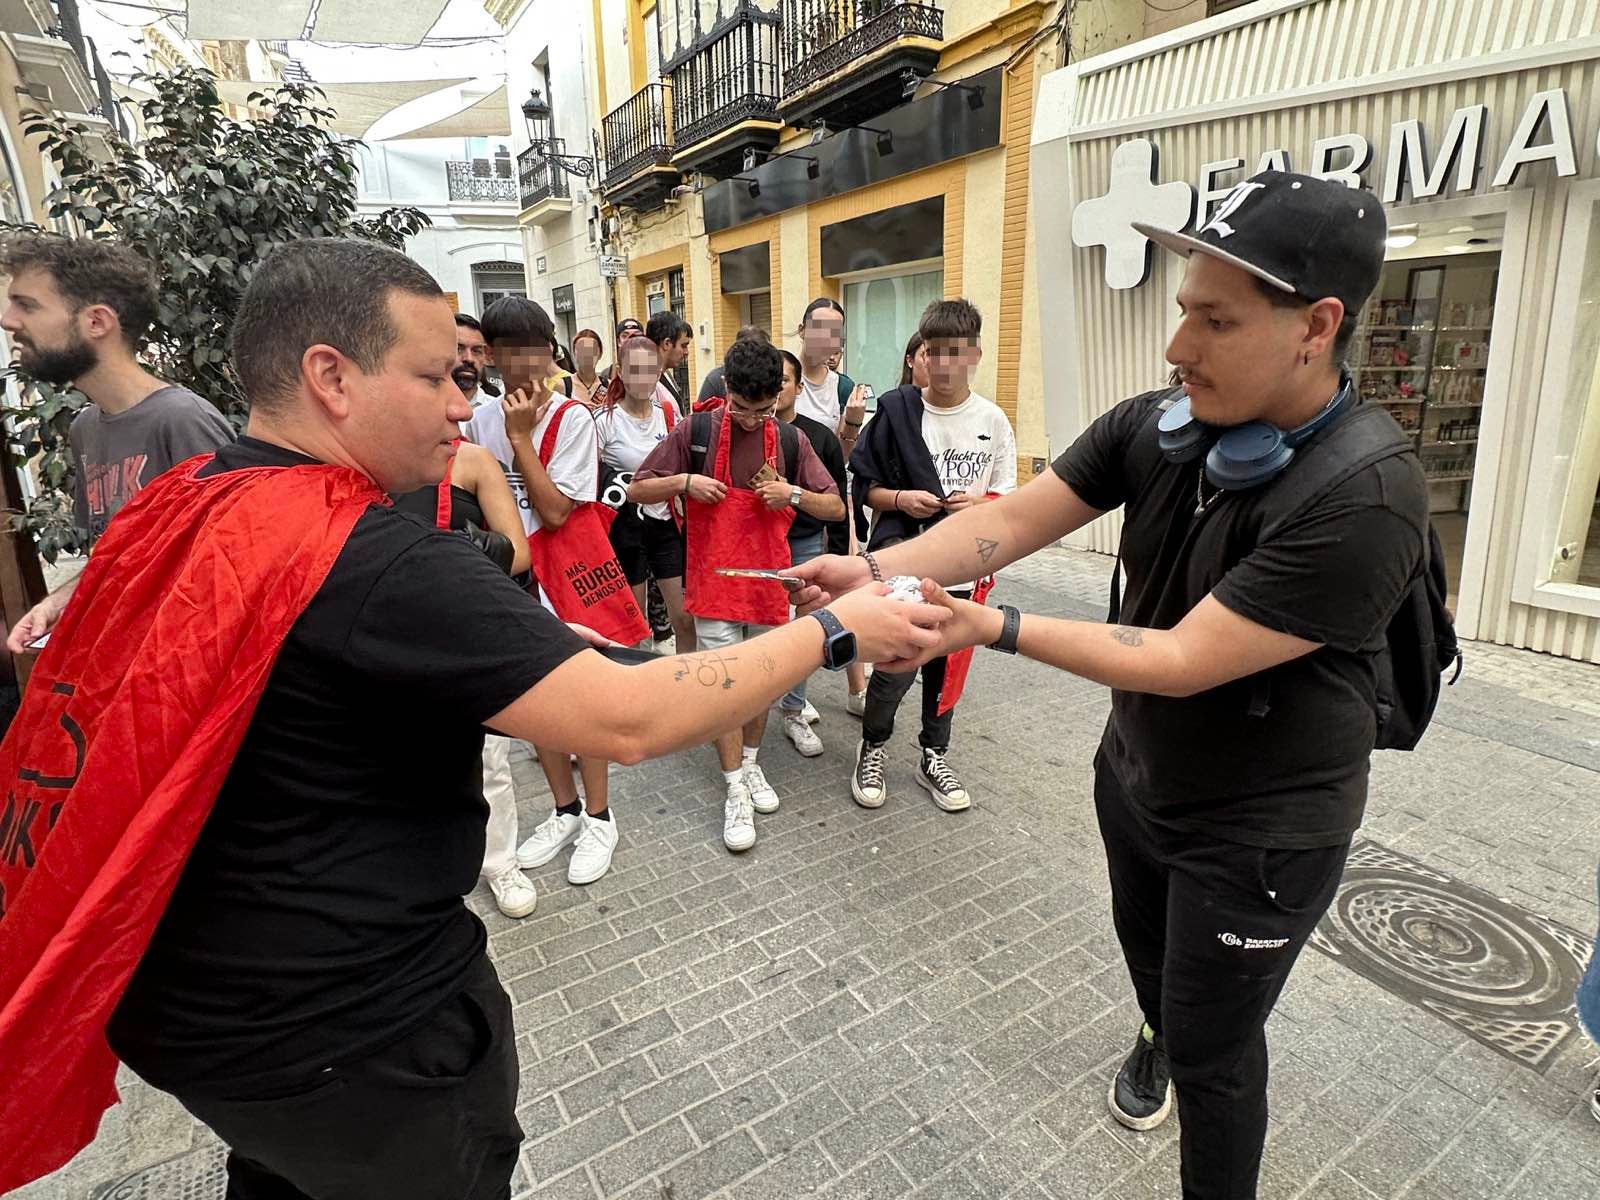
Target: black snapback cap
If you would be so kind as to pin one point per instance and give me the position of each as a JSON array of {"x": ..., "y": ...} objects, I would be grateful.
[{"x": 1310, "y": 237}]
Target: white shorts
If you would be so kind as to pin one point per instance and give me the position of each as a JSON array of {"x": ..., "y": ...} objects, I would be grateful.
[{"x": 712, "y": 634}]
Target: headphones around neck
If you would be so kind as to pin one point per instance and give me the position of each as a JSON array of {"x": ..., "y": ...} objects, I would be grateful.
[{"x": 1244, "y": 456}]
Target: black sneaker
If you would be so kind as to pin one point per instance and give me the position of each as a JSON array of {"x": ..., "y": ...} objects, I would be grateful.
[
  {"x": 1141, "y": 1094},
  {"x": 866, "y": 781},
  {"x": 934, "y": 774}
]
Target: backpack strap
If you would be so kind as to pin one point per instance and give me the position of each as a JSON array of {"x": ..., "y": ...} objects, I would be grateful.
[
  {"x": 789, "y": 443},
  {"x": 699, "y": 442},
  {"x": 1367, "y": 436}
]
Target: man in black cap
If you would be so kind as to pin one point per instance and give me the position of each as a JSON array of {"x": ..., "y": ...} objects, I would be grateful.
[{"x": 1265, "y": 560}]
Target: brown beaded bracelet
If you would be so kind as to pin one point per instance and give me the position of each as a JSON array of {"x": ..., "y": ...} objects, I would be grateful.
[{"x": 872, "y": 565}]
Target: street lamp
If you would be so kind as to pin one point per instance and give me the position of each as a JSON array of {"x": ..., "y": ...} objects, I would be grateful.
[{"x": 537, "y": 114}]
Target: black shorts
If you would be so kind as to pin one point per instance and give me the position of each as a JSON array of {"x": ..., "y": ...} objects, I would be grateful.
[{"x": 646, "y": 548}]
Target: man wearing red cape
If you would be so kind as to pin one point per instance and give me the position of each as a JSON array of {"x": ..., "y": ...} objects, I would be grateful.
[{"x": 242, "y": 797}]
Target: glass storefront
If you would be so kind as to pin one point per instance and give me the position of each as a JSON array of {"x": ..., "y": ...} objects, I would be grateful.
[
  {"x": 881, "y": 315},
  {"x": 1422, "y": 351}
]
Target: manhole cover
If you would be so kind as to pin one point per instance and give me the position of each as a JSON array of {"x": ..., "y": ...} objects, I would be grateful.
[
  {"x": 1503, "y": 975},
  {"x": 198, "y": 1175}
]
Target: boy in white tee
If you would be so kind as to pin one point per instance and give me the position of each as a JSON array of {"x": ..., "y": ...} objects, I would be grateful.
[
  {"x": 522, "y": 338},
  {"x": 973, "y": 454}
]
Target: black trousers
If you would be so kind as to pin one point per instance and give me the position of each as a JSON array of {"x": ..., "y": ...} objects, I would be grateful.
[
  {"x": 885, "y": 691},
  {"x": 432, "y": 1116},
  {"x": 1210, "y": 930}
]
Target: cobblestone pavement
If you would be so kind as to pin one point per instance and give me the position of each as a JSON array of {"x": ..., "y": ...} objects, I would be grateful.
[{"x": 910, "y": 1003}]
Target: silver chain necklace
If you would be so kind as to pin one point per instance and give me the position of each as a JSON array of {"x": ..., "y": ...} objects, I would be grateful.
[{"x": 1201, "y": 500}]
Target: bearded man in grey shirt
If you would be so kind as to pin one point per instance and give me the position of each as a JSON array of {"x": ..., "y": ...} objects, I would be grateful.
[{"x": 77, "y": 311}]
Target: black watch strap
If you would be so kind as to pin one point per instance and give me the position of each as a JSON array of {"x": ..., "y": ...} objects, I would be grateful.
[{"x": 1006, "y": 643}]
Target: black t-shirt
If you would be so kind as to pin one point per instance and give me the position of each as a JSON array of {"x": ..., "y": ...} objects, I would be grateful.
[
  {"x": 319, "y": 915},
  {"x": 826, "y": 443},
  {"x": 1297, "y": 775}
]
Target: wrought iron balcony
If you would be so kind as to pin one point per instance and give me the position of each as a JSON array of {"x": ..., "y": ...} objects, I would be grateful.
[
  {"x": 70, "y": 27},
  {"x": 845, "y": 60},
  {"x": 638, "y": 148},
  {"x": 540, "y": 181},
  {"x": 727, "y": 82},
  {"x": 476, "y": 182}
]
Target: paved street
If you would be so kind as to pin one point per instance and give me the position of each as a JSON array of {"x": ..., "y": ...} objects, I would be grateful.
[{"x": 909, "y": 1003}]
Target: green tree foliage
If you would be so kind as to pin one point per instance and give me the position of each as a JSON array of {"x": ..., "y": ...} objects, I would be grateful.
[{"x": 203, "y": 196}]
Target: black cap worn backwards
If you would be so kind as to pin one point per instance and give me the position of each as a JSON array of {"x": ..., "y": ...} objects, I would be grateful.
[{"x": 1311, "y": 237}]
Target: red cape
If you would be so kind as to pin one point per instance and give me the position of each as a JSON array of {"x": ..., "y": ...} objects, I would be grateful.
[{"x": 130, "y": 722}]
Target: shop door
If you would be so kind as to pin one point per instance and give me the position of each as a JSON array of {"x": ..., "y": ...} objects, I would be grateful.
[
  {"x": 675, "y": 301},
  {"x": 881, "y": 314},
  {"x": 758, "y": 312},
  {"x": 1422, "y": 350}
]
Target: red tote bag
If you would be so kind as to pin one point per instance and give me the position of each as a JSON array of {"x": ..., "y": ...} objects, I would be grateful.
[{"x": 576, "y": 565}]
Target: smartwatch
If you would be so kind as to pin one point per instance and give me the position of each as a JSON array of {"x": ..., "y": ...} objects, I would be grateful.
[
  {"x": 794, "y": 497},
  {"x": 1006, "y": 643},
  {"x": 838, "y": 643}
]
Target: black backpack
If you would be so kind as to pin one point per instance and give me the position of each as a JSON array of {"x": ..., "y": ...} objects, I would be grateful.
[
  {"x": 1420, "y": 643},
  {"x": 700, "y": 445}
]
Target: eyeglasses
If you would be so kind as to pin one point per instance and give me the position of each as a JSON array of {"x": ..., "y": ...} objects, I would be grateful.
[{"x": 754, "y": 414}]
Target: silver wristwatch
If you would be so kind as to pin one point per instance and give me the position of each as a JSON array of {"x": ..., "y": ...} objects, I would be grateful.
[{"x": 794, "y": 497}]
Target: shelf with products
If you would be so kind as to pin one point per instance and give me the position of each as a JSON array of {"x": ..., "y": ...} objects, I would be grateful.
[
  {"x": 1382, "y": 370},
  {"x": 1454, "y": 477}
]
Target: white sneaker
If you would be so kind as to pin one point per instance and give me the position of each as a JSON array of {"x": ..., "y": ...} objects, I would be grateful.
[
  {"x": 856, "y": 703},
  {"x": 591, "y": 856},
  {"x": 799, "y": 731},
  {"x": 513, "y": 893},
  {"x": 555, "y": 834},
  {"x": 866, "y": 781},
  {"x": 667, "y": 646},
  {"x": 739, "y": 819},
  {"x": 810, "y": 713},
  {"x": 762, "y": 798}
]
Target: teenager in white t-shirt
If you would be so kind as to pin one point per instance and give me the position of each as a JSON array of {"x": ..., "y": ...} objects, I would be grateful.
[
  {"x": 522, "y": 337},
  {"x": 631, "y": 422},
  {"x": 974, "y": 454},
  {"x": 840, "y": 403}
]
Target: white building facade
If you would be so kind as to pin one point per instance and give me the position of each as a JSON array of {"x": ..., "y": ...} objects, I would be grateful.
[
  {"x": 467, "y": 188},
  {"x": 551, "y": 48}
]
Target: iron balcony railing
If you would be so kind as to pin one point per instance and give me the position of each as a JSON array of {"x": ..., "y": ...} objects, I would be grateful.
[
  {"x": 474, "y": 182},
  {"x": 731, "y": 76},
  {"x": 638, "y": 132},
  {"x": 539, "y": 179},
  {"x": 69, "y": 27},
  {"x": 821, "y": 37}
]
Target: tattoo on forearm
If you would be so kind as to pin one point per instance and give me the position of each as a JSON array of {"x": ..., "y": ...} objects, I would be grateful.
[
  {"x": 986, "y": 549},
  {"x": 708, "y": 670},
  {"x": 766, "y": 662},
  {"x": 1127, "y": 635}
]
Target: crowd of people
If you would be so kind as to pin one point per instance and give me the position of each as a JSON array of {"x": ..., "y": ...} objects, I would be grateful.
[
  {"x": 294, "y": 664},
  {"x": 752, "y": 475}
]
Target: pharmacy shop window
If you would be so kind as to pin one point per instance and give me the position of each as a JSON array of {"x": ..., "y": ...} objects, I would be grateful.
[
  {"x": 1422, "y": 351},
  {"x": 1562, "y": 547}
]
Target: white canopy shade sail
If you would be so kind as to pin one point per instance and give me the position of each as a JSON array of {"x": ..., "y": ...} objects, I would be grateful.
[
  {"x": 396, "y": 22},
  {"x": 408, "y": 108}
]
